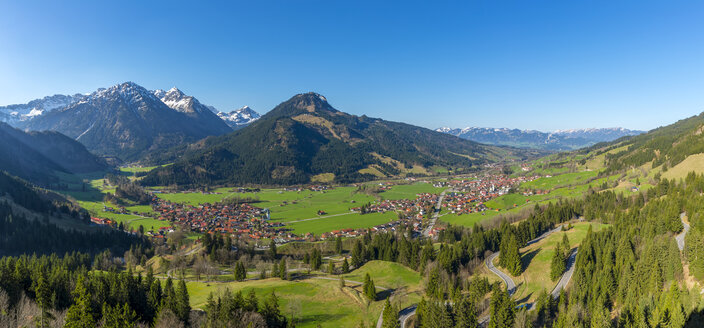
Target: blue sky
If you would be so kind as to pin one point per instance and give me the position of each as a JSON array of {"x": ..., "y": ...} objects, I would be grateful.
[{"x": 541, "y": 65}]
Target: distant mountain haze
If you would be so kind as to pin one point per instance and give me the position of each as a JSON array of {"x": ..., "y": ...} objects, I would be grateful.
[{"x": 559, "y": 140}]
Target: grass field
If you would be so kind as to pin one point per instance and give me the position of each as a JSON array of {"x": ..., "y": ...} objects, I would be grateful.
[
  {"x": 691, "y": 163},
  {"x": 559, "y": 180},
  {"x": 410, "y": 191},
  {"x": 320, "y": 301},
  {"x": 346, "y": 221},
  {"x": 537, "y": 257}
]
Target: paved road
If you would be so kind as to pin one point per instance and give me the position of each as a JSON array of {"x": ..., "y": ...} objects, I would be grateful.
[
  {"x": 438, "y": 207},
  {"x": 405, "y": 314},
  {"x": 680, "y": 237},
  {"x": 510, "y": 285},
  {"x": 566, "y": 277}
]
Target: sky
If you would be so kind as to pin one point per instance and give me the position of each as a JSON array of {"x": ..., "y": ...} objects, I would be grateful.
[{"x": 541, "y": 65}]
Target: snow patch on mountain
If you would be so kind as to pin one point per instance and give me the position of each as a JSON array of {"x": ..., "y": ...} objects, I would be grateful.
[
  {"x": 239, "y": 117},
  {"x": 13, "y": 114}
]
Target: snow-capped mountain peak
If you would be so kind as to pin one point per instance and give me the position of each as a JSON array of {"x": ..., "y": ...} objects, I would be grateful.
[
  {"x": 14, "y": 114},
  {"x": 177, "y": 100},
  {"x": 239, "y": 117}
]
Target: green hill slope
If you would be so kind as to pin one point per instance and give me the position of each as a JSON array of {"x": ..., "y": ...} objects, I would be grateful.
[{"x": 306, "y": 137}]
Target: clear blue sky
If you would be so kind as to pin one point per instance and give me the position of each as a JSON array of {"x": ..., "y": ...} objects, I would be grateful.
[{"x": 520, "y": 64}]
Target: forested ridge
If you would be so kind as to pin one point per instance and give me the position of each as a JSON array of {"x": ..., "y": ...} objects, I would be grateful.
[{"x": 305, "y": 136}]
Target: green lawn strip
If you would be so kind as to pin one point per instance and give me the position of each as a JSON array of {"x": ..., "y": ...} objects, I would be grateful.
[{"x": 536, "y": 276}]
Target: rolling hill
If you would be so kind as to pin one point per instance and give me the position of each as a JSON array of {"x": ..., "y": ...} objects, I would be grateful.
[
  {"x": 305, "y": 139},
  {"x": 668, "y": 146},
  {"x": 40, "y": 156}
]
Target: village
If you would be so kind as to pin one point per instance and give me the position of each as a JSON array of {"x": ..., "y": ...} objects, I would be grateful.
[
  {"x": 469, "y": 195},
  {"x": 243, "y": 220}
]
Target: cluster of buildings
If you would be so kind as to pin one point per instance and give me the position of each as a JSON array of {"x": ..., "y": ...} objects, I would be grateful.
[
  {"x": 234, "y": 219},
  {"x": 469, "y": 195},
  {"x": 404, "y": 206}
]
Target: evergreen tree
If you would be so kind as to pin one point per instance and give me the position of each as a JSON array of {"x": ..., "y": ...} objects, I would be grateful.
[
  {"x": 80, "y": 314},
  {"x": 183, "y": 302},
  {"x": 43, "y": 298},
  {"x": 338, "y": 245},
  {"x": 369, "y": 288},
  {"x": 331, "y": 267},
  {"x": 272, "y": 249},
  {"x": 557, "y": 265},
  {"x": 502, "y": 310},
  {"x": 465, "y": 314},
  {"x": 240, "y": 271},
  {"x": 390, "y": 316},
  {"x": 345, "y": 266}
]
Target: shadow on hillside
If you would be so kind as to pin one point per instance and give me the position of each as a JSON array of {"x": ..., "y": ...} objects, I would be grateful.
[
  {"x": 528, "y": 257},
  {"x": 525, "y": 299}
]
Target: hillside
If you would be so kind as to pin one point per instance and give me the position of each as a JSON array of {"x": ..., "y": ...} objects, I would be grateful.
[
  {"x": 305, "y": 139},
  {"x": 40, "y": 156},
  {"x": 560, "y": 140},
  {"x": 129, "y": 122},
  {"x": 34, "y": 220},
  {"x": 665, "y": 146}
]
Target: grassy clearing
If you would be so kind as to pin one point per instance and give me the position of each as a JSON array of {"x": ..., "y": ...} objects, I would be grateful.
[
  {"x": 320, "y": 301},
  {"x": 347, "y": 221},
  {"x": 410, "y": 191},
  {"x": 691, "y": 163},
  {"x": 560, "y": 180},
  {"x": 537, "y": 257}
]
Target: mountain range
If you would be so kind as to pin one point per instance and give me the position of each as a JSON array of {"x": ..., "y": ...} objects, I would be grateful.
[
  {"x": 559, "y": 140},
  {"x": 129, "y": 122},
  {"x": 13, "y": 114},
  {"x": 41, "y": 157},
  {"x": 305, "y": 139}
]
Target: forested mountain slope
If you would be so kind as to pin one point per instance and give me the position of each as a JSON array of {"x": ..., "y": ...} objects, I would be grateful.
[
  {"x": 38, "y": 156},
  {"x": 667, "y": 145},
  {"x": 305, "y": 139}
]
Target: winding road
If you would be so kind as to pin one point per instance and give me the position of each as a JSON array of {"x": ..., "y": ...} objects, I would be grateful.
[
  {"x": 566, "y": 277},
  {"x": 680, "y": 237},
  {"x": 510, "y": 285}
]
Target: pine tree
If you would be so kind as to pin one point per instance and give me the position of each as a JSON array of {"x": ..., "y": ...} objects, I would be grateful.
[
  {"x": 510, "y": 257},
  {"x": 369, "y": 288},
  {"x": 338, "y": 245},
  {"x": 183, "y": 302},
  {"x": 331, "y": 267},
  {"x": 342, "y": 282},
  {"x": 557, "y": 265},
  {"x": 240, "y": 271},
  {"x": 79, "y": 314},
  {"x": 43, "y": 297},
  {"x": 465, "y": 314},
  {"x": 345, "y": 266},
  {"x": 501, "y": 310},
  {"x": 390, "y": 316},
  {"x": 272, "y": 249}
]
